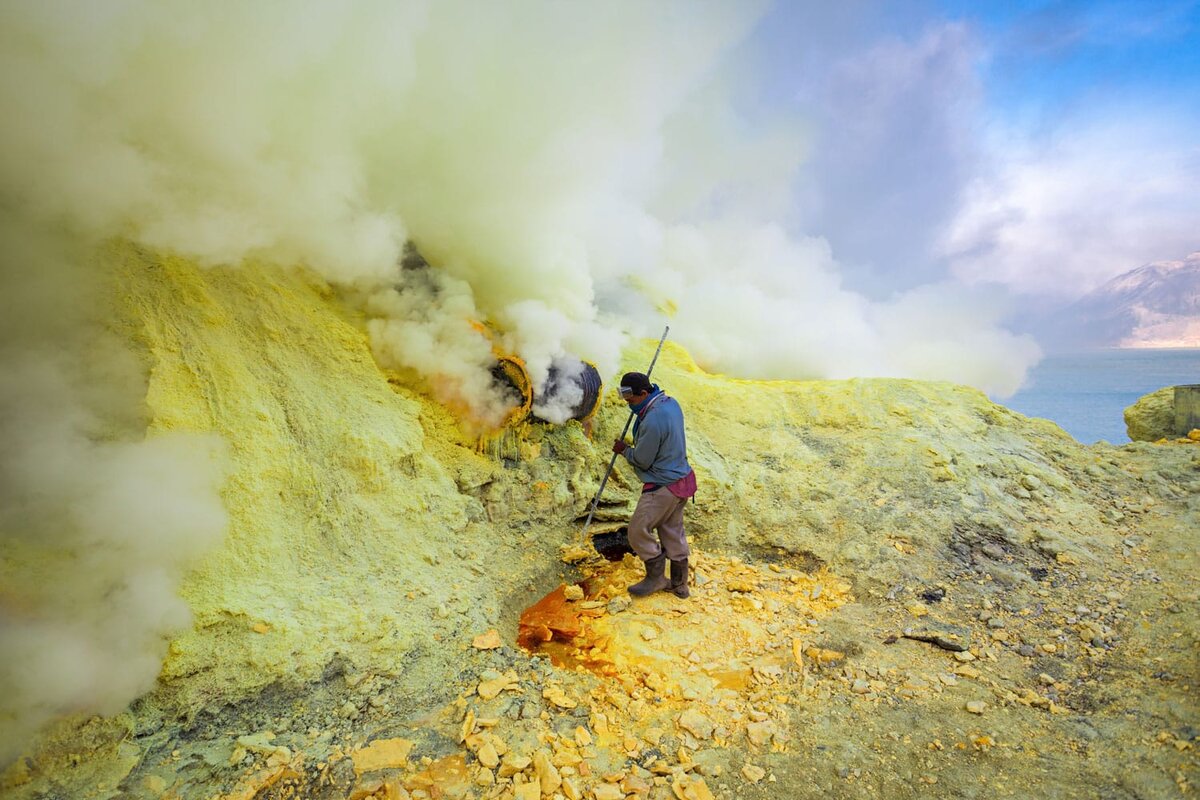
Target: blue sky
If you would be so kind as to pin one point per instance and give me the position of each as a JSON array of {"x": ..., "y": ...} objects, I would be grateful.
[
  {"x": 1056, "y": 55},
  {"x": 1037, "y": 147}
]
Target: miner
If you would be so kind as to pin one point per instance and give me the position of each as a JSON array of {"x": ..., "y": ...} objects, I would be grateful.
[{"x": 659, "y": 456}]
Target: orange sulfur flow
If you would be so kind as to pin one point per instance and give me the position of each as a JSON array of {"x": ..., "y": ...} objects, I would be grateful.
[
  {"x": 549, "y": 619},
  {"x": 558, "y": 628}
]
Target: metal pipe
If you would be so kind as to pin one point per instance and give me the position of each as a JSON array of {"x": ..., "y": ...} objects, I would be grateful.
[{"x": 613, "y": 461}]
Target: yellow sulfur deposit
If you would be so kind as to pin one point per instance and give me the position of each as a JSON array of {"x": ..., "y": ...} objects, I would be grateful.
[
  {"x": 338, "y": 499},
  {"x": 355, "y": 632}
]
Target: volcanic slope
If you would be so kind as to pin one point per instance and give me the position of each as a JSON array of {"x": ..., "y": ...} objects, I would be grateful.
[{"x": 900, "y": 589}]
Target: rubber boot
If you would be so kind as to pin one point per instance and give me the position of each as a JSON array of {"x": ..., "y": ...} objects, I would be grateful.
[
  {"x": 654, "y": 580},
  {"x": 679, "y": 575}
]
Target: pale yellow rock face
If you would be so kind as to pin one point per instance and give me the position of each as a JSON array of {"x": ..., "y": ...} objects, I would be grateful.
[
  {"x": 377, "y": 560},
  {"x": 1152, "y": 417},
  {"x": 364, "y": 522},
  {"x": 338, "y": 500}
]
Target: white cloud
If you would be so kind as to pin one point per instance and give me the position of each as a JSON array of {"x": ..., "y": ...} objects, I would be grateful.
[
  {"x": 896, "y": 143},
  {"x": 1061, "y": 216}
]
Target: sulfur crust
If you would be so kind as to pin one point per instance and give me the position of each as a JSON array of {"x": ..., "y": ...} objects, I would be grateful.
[
  {"x": 371, "y": 535},
  {"x": 334, "y": 487},
  {"x": 366, "y": 526},
  {"x": 348, "y": 494}
]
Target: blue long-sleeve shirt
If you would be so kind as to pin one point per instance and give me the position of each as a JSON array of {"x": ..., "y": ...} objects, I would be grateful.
[{"x": 659, "y": 451}]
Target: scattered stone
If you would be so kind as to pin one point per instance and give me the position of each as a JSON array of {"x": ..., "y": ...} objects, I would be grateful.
[
  {"x": 258, "y": 742},
  {"x": 582, "y": 737},
  {"x": 691, "y": 788},
  {"x": 547, "y": 773},
  {"x": 917, "y": 609},
  {"x": 558, "y": 697},
  {"x": 382, "y": 754},
  {"x": 573, "y": 592},
  {"x": 487, "y": 755},
  {"x": 607, "y": 791},
  {"x": 976, "y": 706},
  {"x": 618, "y": 604},
  {"x": 824, "y": 657},
  {"x": 946, "y": 640},
  {"x": 489, "y": 689},
  {"x": 696, "y": 724},
  {"x": 860, "y": 686},
  {"x": 993, "y": 551},
  {"x": 760, "y": 733},
  {"x": 512, "y": 764},
  {"x": 753, "y": 774},
  {"x": 527, "y": 791},
  {"x": 1031, "y": 482},
  {"x": 934, "y": 595},
  {"x": 487, "y": 641}
]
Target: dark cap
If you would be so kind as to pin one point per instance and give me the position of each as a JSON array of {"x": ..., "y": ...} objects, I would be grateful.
[{"x": 635, "y": 383}]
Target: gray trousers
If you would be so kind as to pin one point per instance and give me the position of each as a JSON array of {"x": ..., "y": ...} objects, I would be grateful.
[{"x": 664, "y": 511}]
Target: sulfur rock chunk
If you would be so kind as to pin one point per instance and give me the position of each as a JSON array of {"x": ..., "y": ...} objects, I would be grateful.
[
  {"x": 760, "y": 733},
  {"x": 487, "y": 755},
  {"x": 823, "y": 657},
  {"x": 382, "y": 754},
  {"x": 582, "y": 737},
  {"x": 489, "y": 689},
  {"x": 608, "y": 791},
  {"x": 487, "y": 641},
  {"x": 527, "y": 791},
  {"x": 696, "y": 724},
  {"x": 512, "y": 764},
  {"x": 691, "y": 788},
  {"x": 753, "y": 773},
  {"x": 548, "y": 775},
  {"x": 558, "y": 697}
]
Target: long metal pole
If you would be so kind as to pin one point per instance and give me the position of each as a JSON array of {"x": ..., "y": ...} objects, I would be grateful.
[{"x": 613, "y": 461}]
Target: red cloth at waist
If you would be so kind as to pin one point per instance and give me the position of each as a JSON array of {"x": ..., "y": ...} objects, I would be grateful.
[{"x": 683, "y": 488}]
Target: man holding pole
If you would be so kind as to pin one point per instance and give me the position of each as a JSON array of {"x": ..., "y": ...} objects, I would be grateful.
[{"x": 659, "y": 456}]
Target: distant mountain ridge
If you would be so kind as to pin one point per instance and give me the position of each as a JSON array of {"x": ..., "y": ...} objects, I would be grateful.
[{"x": 1155, "y": 305}]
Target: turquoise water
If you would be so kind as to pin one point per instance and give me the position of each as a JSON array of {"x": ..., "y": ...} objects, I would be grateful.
[{"x": 1086, "y": 393}]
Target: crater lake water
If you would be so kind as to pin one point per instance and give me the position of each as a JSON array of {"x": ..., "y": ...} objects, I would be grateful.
[{"x": 1087, "y": 393}]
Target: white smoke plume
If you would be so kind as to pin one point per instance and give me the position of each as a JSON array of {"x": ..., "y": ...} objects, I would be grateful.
[
  {"x": 540, "y": 153},
  {"x": 564, "y": 167},
  {"x": 97, "y": 521},
  {"x": 428, "y": 322},
  {"x": 562, "y": 394}
]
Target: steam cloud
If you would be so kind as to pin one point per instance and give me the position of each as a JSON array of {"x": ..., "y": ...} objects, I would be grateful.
[
  {"x": 97, "y": 521},
  {"x": 567, "y": 169}
]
